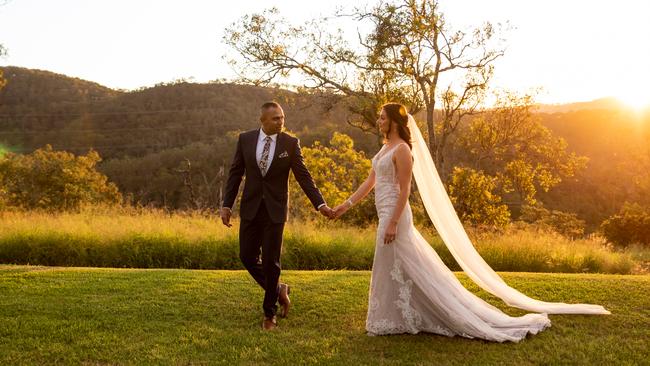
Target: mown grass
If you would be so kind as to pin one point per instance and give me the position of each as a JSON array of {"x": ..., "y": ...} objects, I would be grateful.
[
  {"x": 51, "y": 315},
  {"x": 155, "y": 239}
]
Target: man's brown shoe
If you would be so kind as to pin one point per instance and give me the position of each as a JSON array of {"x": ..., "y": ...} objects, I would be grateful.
[
  {"x": 269, "y": 323},
  {"x": 284, "y": 300}
]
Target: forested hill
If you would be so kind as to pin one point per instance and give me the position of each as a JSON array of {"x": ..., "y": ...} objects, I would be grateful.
[
  {"x": 39, "y": 107},
  {"x": 145, "y": 135}
]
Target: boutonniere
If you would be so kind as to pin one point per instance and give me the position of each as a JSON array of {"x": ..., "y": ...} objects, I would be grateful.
[{"x": 283, "y": 155}]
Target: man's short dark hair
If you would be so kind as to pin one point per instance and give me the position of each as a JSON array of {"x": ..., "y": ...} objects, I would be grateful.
[{"x": 268, "y": 105}]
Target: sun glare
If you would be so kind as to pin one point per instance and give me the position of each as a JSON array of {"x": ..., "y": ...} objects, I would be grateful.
[{"x": 635, "y": 99}]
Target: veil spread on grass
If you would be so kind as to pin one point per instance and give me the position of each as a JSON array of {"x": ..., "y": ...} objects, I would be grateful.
[{"x": 449, "y": 227}]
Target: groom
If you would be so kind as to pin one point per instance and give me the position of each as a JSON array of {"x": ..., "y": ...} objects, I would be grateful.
[{"x": 265, "y": 156}]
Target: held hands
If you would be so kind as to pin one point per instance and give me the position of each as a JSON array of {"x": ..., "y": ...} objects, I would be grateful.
[
  {"x": 335, "y": 213},
  {"x": 340, "y": 210},
  {"x": 326, "y": 211}
]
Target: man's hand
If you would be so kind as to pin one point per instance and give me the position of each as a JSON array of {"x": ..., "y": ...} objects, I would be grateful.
[
  {"x": 225, "y": 216},
  {"x": 326, "y": 211}
]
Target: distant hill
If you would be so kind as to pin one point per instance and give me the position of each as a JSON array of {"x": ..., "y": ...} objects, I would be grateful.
[
  {"x": 608, "y": 103},
  {"x": 39, "y": 107},
  {"x": 38, "y": 92},
  {"x": 145, "y": 135}
]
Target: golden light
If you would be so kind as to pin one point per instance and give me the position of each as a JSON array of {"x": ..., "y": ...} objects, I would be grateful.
[{"x": 635, "y": 99}]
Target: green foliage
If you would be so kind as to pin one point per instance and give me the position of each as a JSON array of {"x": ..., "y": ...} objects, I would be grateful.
[
  {"x": 338, "y": 170},
  {"x": 563, "y": 223},
  {"x": 472, "y": 193},
  {"x": 57, "y": 180},
  {"x": 509, "y": 142},
  {"x": 631, "y": 225}
]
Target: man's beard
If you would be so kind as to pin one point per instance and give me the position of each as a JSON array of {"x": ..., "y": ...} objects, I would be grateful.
[{"x": 273, "y": 130}]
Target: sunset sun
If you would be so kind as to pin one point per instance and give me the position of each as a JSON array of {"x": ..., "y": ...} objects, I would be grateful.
[{"x": 635, "y": 98}]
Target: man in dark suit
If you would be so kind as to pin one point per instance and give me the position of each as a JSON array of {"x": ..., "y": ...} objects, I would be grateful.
[{"x": 265, "y": 156}]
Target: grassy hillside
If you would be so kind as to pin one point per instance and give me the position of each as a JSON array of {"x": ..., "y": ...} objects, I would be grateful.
[{"x": 112, "y": 316}]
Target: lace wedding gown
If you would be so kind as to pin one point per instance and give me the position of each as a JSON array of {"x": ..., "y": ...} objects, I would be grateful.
[{"x": 412, "y": 290}]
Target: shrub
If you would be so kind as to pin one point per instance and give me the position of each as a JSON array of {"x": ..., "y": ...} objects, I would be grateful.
[
  {"x": 563, "y": 223},
  {"x": 57, "y": 180},
  {"x": 631, "y": 225}
]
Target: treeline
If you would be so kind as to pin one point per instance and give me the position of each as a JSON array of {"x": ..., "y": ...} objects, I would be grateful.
[{"x": 170, "y": 145}]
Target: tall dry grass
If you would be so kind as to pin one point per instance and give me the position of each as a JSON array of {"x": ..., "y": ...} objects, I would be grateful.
[{"x": 149, "y": 238}]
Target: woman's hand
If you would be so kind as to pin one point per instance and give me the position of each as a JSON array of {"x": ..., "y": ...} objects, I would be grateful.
[
  {"x": 390, "y": 233},
  {"x": 340, "y": 210}
]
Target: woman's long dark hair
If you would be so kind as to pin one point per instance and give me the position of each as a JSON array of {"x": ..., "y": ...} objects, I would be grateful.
[{"x": 397, "y": 113}]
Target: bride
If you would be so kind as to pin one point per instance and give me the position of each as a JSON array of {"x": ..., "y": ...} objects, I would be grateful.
[{"x": 411, "y": 289}]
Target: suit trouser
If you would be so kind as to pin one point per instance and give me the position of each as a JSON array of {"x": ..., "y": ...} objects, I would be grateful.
[{"x": 257, "y": 234}]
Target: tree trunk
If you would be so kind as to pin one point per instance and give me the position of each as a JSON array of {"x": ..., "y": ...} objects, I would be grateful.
[
  {"x": 440, "y": 157},
  {"x": 431, "y": 130}
]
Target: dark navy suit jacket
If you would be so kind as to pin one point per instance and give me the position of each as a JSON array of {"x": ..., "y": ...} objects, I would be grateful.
[{"x": 272, "y": 187}]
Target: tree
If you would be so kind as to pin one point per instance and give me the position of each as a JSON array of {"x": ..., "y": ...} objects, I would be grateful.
[
  {"x": 55, "y": 180},
  {"x": 337, "y": 169},
  {"x": 189, "y": 177},
  {"x": 509, "y": 142},
  {"x": 472, "y": 194},
  {"x": 631, "y": 225},
  {"x": 411, "y": 55}
]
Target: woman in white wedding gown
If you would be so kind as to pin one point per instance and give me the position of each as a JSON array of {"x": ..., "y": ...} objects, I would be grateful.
[{"x": 411, "y": 289}]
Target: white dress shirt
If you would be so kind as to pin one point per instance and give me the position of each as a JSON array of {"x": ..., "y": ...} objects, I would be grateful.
[{"x": 260, "y": 148}]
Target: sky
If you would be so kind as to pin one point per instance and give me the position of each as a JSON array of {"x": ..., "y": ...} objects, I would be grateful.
[{"x": 575, "y": 50}]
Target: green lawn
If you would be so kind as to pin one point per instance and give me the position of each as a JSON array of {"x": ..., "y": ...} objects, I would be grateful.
[{"x": 131, "y": 316}]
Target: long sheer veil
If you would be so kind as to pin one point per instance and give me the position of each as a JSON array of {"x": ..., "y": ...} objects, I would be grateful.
[{"x": 449, "y": 227}]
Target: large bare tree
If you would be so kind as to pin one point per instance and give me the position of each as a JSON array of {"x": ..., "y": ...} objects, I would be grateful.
[{"x": 408, "y": 54}]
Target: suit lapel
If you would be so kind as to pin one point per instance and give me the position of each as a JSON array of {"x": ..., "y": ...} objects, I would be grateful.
[{"x": 252, "y": 150}]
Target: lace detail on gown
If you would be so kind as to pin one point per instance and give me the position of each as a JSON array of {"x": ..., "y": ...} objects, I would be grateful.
[
  {"x": 412, "y": 320},
  {"x": 412, "y": 291}
]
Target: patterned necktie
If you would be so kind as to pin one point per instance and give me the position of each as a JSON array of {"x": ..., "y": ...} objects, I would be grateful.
[{"x": 264, "y": 161}]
